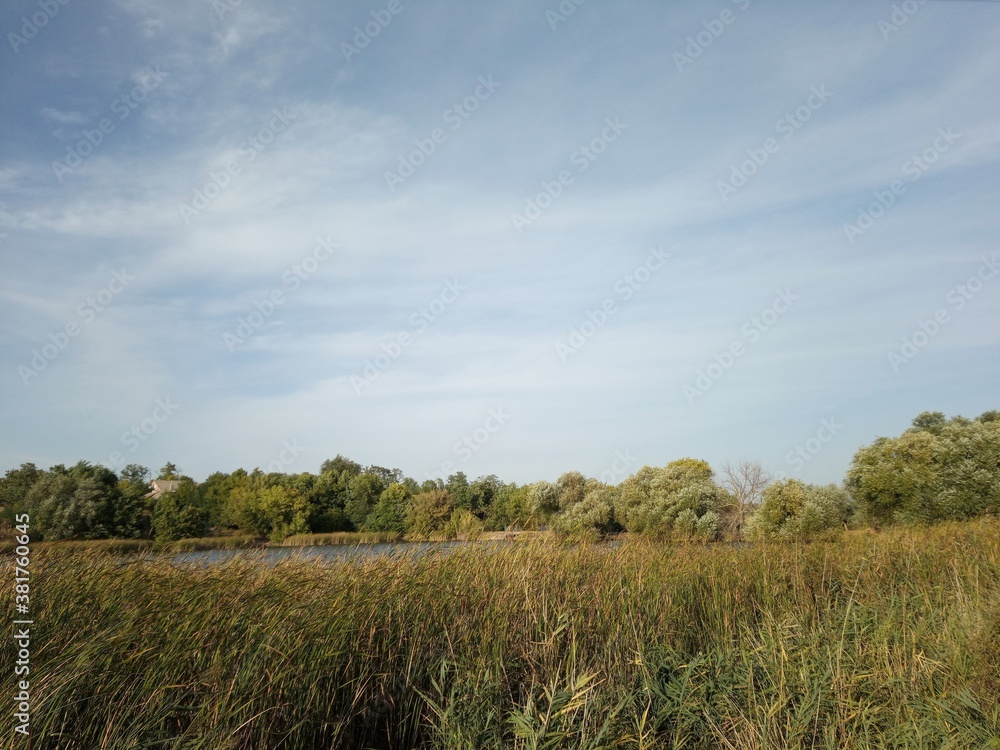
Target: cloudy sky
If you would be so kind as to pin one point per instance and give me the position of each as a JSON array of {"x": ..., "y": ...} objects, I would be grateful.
[{"x": 515, "y": 238}]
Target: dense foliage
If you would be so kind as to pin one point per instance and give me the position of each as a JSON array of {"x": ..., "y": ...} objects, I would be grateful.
[{"x": 939, "y": 469}]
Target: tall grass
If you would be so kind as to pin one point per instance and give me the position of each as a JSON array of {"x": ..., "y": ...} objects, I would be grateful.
[
  {"x": 875, "y": 641},
  {"x": 340, "y": 538}
]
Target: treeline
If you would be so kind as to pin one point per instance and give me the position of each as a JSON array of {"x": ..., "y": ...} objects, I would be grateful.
[{"x": 939, "y": 469}]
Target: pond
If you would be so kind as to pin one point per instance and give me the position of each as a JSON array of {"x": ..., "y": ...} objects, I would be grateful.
[{"x": 332, "y": 553}]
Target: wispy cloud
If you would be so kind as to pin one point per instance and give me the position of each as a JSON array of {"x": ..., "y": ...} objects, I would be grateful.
[{"x": 198, "y": 139}]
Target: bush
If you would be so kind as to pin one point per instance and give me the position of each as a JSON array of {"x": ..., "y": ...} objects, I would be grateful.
[{"x": 794, "y": 510}]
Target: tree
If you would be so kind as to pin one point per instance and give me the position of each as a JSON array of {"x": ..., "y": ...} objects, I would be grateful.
[
  {"x": 930, "y": 421},
  {"x": 82, "y": 502},
  {"x": 363, "y": 492},
  {"x": 671, "y": 501},
  {"x": 794, "y": 510},
  {"x": 592, "y": 515},
  {"x": 571, "y": 487},
  {"x": 14, "y": 488},
  {"x": 339, "y": 466},
  {"x": 133, "y": 485},
  {"x": 176, "y": 514},
  {"x": 745, "y": 483},
  {"x": 510, "y": 508},
  {"x": 136, "y": 475},
  {"x": 267, "y": 509},
  {"x": 484, "y": 493},
  {"x": 939, "y": 469},
  {"x": 897, "y": 478},
  {"x": 458, "y": 487},
  {"x": 463, "y": 524},
  {"x": 386, "y": 476},
  {"x": 389, "y": 514},
  {"x": 543, "y": 501},
  {"x": 169, "y": 471},
  {"x": 429, "y": 513},
  {"x": 969, "y": 470}
]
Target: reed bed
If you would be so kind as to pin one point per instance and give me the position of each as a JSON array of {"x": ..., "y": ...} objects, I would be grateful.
[
  {"x": 339, "y": 538},
  {"x": 887, "y": 640}
]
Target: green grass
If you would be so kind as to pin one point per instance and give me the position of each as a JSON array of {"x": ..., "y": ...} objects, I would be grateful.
[{"x": 887, "y": 640}]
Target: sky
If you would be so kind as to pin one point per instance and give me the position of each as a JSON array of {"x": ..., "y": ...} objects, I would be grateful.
[{"x": 514, "y": 238}]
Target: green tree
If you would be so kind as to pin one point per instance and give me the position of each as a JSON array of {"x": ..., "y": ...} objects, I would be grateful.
[
  {"x": 897, "y": 478},
  {"x": 969, "y": 470},
  {"x": 82, "y": 502},
  {"x": 14, "y": 488},
  {"x": 794, "y": 510},
  {"x": 340, "y": 466},
  {"x": 463, "y": 524},
  {"x": 267, "y": 509},
  {"x": 670, "y": 501},
  {"x": 510, "y": 508},
  {"x": 458, "y": 487},
  {"x": 571, "y": 487},
  {"x": 389, "y": 514},
  {"x": 543, "y": 501},
  {"x": 132, "y": 511},
  {"x": 429, "y": 513},
  {"x": 592, "y": 514},
  {"x": 363, "y": 492},
  {"x": 169, "y": 472},
  {"x": 176, "y": 514},
  {"x": 930, "y": 421}
]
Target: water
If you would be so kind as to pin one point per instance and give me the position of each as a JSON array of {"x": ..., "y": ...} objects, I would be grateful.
[{"x": 326, "y": 554}]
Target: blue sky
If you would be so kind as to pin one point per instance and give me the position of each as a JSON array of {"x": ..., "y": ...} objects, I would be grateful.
[{"x": 520, "y": 239}]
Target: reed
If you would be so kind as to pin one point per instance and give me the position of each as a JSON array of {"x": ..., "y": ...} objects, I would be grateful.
[
  {"x": 887, "y": 640},
  {"x": 339, "y": 538}
]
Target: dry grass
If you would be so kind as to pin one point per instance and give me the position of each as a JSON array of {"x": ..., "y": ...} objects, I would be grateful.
[{"x": 873, "y": 641}]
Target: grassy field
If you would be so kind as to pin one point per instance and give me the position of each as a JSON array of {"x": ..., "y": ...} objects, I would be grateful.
[{"x": 887, "y": 640}]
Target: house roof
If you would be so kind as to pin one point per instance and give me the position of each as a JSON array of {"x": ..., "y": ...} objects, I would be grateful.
[{"x": 160, "y": 487}]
